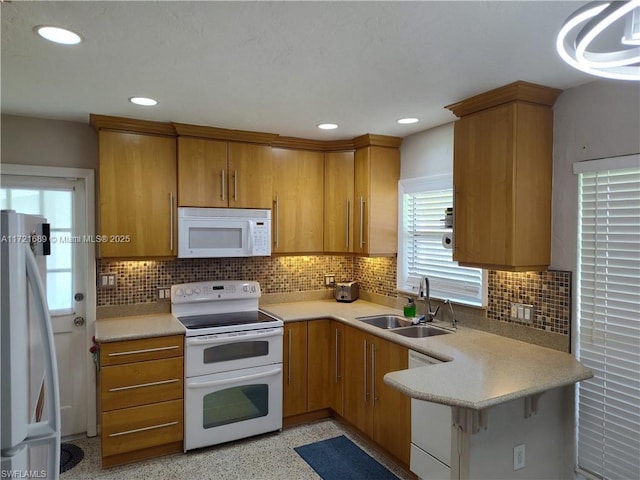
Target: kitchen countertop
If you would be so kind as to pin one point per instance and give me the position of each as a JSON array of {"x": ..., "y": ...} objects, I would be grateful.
[
  {"x": 139, "y": 326},
  {"x": 479, "y": 369}
]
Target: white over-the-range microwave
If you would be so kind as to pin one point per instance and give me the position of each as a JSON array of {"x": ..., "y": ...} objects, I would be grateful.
[{"x": 223, "y": 232}]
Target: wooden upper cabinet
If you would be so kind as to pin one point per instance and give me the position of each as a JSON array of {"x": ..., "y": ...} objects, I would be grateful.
[
  {"x": 377, "y": 171},
  {"x": 137, "y": 203},
  {"x": 250, "y": 175},
  {"x": 338, "y": 202},
  {"x": 297, "y": 217},
  {"x": 202, "y": 173},
  {"x": 502, "y": 178},
  {"x": 216, "y": 173}
]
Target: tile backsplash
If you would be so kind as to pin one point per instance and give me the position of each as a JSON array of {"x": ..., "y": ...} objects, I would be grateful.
[
  {"x": 549, "y": 292},
  {"x": 137, "y": 282}
]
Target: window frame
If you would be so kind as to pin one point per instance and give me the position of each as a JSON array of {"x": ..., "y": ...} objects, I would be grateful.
[{"x": 423, "y": 184}]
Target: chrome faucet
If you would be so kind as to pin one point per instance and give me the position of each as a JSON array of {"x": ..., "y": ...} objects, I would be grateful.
[
  {"x": 454, "y": 322},
  {"x": 423, "y": 293}
]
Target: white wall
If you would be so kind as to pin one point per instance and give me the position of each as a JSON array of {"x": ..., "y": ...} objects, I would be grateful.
[
  {"x": 56, "y": 143},
  {"x": 596, "y": 120},
  {"x": 429, "y": 152}
]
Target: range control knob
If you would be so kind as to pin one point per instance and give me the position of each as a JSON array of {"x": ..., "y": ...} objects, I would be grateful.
[
  {"x": 179, "y": 292},
  {"x": 197, "y": 291},
  {"x": 245, "y": 288},
  {"x": 188, "y": 291}
]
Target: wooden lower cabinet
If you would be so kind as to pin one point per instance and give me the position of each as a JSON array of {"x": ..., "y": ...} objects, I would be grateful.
[
  {"x": 141, "y": 386},
  {"x": 326, "y": 365},
  {"x": 294, "y": 381},
  {"x": 329, "y": 365},
  {"x": 382, "y": 413}
]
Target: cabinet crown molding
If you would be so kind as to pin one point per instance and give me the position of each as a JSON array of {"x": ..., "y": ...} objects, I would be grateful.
[
  {"x": 217, "y": 133},
  {"x": 516, "y": 91},
  {"x": 373, "y": 140},
  {"x": 122, "y": 124},
  {"x": 173, "y": 129},
  {"x": 314, "y": 145}
]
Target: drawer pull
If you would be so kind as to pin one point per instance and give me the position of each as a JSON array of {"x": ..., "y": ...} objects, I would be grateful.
[
  {"x": 142, "y": 385},
  {"x": 143, "y": 429},
  {"x": 146, "y": 350}
]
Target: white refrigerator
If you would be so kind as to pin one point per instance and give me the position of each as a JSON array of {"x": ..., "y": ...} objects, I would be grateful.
[{"x": 30, "y": 413}]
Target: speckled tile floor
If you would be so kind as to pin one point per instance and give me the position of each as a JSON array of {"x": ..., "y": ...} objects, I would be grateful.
[{"x": 265, "y": 457}]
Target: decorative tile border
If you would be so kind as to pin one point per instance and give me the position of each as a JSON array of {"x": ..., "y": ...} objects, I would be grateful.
[{"x": 549, "y": 292}]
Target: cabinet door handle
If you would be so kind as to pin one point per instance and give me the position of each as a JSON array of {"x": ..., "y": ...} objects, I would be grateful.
[
  {"x": 347, "y": 229},
  {"x": 171, "y": 221},
  {"x": 144, "y": 429},
  {"x": 361, "y": 222},
  {"x": 235, "y": 185},
  {"x": 276, "y": 221},
  {"x": 364, "y": 382},
  {"x": 142, "y": 385},
  {"x": 222, "y": 182},
  {"x": 337, "y": 376},
  {"x": 373, "y": 374},
  {"x": 289, "y": 358},
  {"x": 146, "y": 350}
]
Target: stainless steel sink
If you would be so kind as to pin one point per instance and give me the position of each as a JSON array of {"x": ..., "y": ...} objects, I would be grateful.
[
  {"x": 420, "y": 331},
  {"x": 385, "y": 321}
]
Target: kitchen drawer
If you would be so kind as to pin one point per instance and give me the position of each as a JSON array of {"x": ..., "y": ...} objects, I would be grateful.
[
  {"x": 143, "y": 427},
  {"x": 141, "y": 383},
  {"x": 154, "y": 348}
]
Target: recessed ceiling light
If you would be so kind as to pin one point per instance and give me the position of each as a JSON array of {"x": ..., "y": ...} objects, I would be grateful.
[
  {"x": 327, "y": 126},
  {"x": 58, "y": 35},
  {"x": 144, "y": 101},
  {"x": 408, "y": 120}
]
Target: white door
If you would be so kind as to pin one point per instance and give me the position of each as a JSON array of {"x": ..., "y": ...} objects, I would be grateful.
[{"x": 62, "y": 201}]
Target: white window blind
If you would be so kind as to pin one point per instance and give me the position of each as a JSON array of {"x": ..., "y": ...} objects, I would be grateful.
[
  {"x": 608, "y": 427},
  {"x": 423, "y": 204}
]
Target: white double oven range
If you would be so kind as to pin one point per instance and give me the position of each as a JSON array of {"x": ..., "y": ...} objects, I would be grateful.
[{"x": 233, "y": 362}]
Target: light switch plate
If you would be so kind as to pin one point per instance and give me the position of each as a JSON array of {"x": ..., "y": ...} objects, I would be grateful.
[
  {"x": 522, "y": 312},
  {"x": 108, "y": 280}
]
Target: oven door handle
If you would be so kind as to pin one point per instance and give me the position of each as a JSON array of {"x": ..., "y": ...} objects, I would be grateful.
[
  {"x": 243, "y": 378},
  {"x": 224, "y": 339}
]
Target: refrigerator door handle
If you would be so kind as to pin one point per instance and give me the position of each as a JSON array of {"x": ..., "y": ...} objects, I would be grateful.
[{"x": 50, "y": 428}]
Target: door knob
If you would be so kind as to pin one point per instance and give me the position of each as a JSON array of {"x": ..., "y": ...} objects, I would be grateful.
[{"x": 78, "y": 321}]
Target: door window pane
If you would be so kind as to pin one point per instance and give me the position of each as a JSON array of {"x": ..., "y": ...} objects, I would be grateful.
[
  {"x": 235, "y": 404},
  {"x": 56, "y": 206},
  {"x": 61, "y": 284}
]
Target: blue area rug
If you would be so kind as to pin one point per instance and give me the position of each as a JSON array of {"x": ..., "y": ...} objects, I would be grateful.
[{"x": 340, "y": 459}]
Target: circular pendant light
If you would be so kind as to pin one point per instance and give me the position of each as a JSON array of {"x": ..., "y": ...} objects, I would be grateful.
[{"x": 581, "y": 30}]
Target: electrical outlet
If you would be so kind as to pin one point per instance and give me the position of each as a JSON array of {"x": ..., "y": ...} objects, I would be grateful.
[
  {"x": 164, "y": 294},
  {"x": 518, "y": 457},
  {"x": 329, "y": 280},
  {"x": 108, "y": 280}
]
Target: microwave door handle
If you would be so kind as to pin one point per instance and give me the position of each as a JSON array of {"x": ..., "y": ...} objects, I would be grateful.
[{"x": 250, "y": 240}]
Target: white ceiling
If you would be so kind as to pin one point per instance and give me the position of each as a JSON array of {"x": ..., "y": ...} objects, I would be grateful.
[{"x": 280, "y": 67}]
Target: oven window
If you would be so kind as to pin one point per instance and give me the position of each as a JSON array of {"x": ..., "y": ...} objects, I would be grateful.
[
  {"x": 235, "y": 351},
  {"x": 235, "y": 405}
]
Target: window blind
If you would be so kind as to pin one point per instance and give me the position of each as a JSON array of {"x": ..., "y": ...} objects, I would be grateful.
[
  {"x": 422, "y": 251},
  {"x": 608, "y": 424}
]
